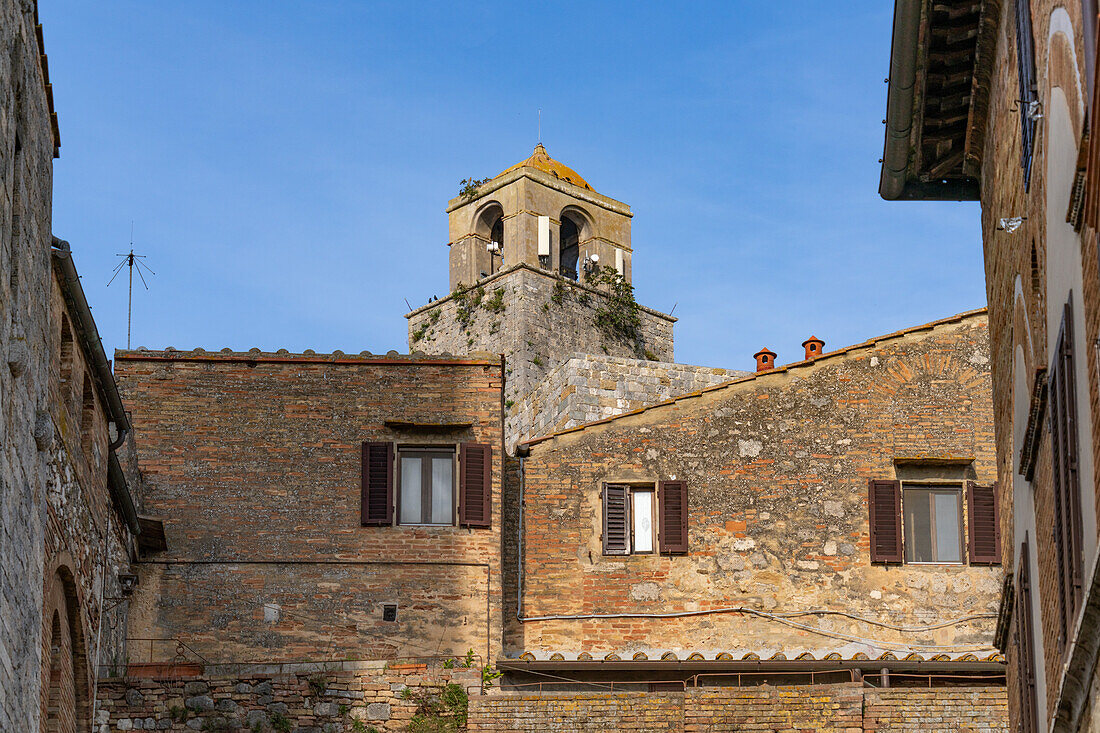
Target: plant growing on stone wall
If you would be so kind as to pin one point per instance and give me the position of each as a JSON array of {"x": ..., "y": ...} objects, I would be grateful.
[
  {"x": 467, "y": 187},
  {"x": 178, "y": 713},
  {"x": 434, "y": 317},
  {"x": 317, "y": 683},
  {"x": 488, "y": 674},
  {"x": 557, "y": 295},
  {"x": 280, "y": 722},
  {"x": 444, "y": 712},
  {"x": 495, "y": 304},
  {"x": 466, "y": 302},
  {"x": 468, "y": 660},
  {"x": 418, "y": 333},
  {"x": 618, "y": 315}
]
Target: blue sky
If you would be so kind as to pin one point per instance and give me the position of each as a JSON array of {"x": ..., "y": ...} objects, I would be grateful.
[{"x": 286, "y": 164}]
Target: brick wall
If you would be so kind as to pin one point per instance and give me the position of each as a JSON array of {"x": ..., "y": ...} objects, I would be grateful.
[
  {"x": 1017, "y": 267},
  {"x": 253, "y": 462},
  {"x": 777, "y": 469},
  {"x": 828, "y": 708},
  {"x": 590, "y": 387},
  {"x": 541, "y": 321},
  {"x": 335, "y": 697}
]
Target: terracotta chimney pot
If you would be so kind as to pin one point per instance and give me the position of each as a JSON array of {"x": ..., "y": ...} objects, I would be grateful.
[
  {"x": 765, "y": 360},
  {"x": 814, "y": 347}
]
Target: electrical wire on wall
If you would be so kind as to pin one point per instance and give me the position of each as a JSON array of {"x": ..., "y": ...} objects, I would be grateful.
[{"x": 785, "y": 617}]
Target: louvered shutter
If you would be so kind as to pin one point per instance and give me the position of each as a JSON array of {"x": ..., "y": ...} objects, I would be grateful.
[
  {"x": 475, "y": 491},
  {"x": 884, "y": 502},
  {"x": 1025, "y": 62},
  {"x": 1025, "y": 648},
  {"x": 376, "y": 506},
  {"x": 1064, "y": 456},
  {"x": 673, "y": 498},
  {"x": 984, "y": 524},
  {"x": 616, "y": 519}
]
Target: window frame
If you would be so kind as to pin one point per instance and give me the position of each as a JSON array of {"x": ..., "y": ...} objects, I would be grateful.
[
  {"x": 654, "y": 508},
  {"x": 932, "y": 487},
  {"x": 425, "y": 453},
  {"x": 632, "y": 488}
]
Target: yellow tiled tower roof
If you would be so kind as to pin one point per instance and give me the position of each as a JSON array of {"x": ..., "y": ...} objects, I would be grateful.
[{"x": 541, "y": 160}]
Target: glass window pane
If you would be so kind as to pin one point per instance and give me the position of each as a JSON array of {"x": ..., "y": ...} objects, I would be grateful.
[
  {"x": 918, "y": 526},
  {"x": 442, "y": 493},
  {"x": 947, "y": 527},
  {"x": 643, "y": 521},
  {"x": 410, "y": 490}
]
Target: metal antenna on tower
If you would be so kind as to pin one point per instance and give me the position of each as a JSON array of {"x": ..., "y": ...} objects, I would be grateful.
[
  {"x": 132, "y": 262},
  {"x": 540, "y": 125}
]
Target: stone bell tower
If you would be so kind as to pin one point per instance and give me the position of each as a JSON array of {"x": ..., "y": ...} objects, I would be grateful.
[
  {"x": 531, "y": 252},
  {"x": 541, "y": 213}
]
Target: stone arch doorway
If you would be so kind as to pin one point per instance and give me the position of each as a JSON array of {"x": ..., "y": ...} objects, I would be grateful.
[{"x": 65, "y": 694}]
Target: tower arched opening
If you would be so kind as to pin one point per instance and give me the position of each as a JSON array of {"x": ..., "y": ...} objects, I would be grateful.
[{"x": 570, "y": 248}]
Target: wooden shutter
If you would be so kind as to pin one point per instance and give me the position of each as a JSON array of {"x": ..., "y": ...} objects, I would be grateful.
[
  {"x": 984, "y": 524},
  {"x": 1025, "y": 648},
  {"x": 616, "y": 519},
  {"x": 376, "y": 506},
  {"x": 884, "y": 502},
  {"x": 1067, "y": 494},
  {"x": 475, "y": 489},
  {"x": 673, "y": 498},
  {"x": 1025, "y": 63}
]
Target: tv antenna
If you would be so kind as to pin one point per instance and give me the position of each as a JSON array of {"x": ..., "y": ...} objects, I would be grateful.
[{"x": 132, "y": 262}]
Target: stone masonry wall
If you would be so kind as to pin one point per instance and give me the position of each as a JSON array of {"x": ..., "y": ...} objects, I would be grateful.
[
  {"x": 538, "y": 321},
  {"x": 26, "y": 158},
  {"x": 359, "y": 697},
  {"x": 253, "y": 460},
  {"x": 590, "y": 387},
  {"x": 777, "y": 467},
  {"x": 845, "y": 708},
  {"x": 306, "y": 698}
]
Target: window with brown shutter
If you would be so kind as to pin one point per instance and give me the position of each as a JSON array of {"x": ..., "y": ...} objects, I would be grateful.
[
  {"x": 984, "y": 524},
  {"x": 1029, "y": 94},
  {"x": 475, "y": 494},
  {"x": 884, "y": 503},
  {"x": 376, "y": 506},
  {"x": 616, "y": 519},
  {"x": 674, "y": 516},
  {"x": 1067, "y": 495},
  {"x": 1025, "y": 647}
]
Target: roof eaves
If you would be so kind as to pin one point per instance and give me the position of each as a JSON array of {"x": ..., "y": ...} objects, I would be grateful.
[
  {"x": 763, "y": 375},
  {"x": 308, "y": 357}
]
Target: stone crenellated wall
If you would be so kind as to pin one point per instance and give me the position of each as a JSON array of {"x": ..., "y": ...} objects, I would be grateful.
[{"x": 591, "y": 387}]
